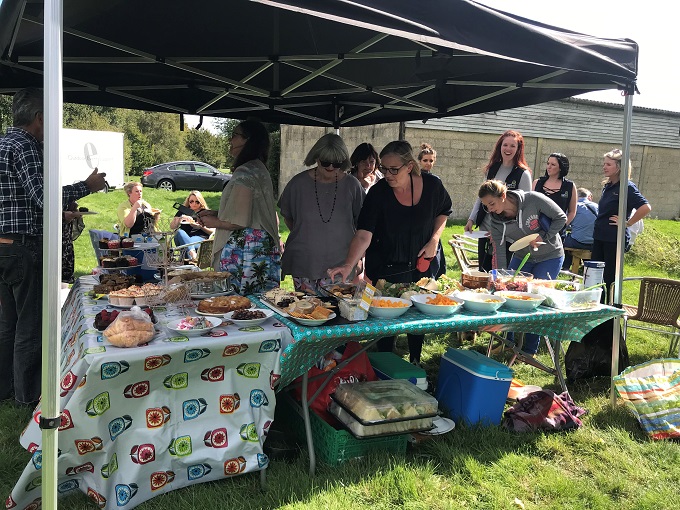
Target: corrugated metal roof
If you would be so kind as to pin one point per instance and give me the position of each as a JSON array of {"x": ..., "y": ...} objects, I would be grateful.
[{"x": 570, "y": 119}]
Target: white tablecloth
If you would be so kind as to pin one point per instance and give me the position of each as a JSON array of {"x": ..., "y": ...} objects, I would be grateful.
[{"x": 142, "y": 421}]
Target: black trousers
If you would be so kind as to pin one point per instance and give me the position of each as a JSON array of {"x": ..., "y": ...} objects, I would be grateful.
[{"x": 415, "y": 346}]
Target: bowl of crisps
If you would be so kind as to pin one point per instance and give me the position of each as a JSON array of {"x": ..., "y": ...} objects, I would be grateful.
[
  {"x": 436, "y": 304},
  {"x": 388, "y": 307},
  {"x": 481, "y": 303},
  {"x": 521, "y": 301}
]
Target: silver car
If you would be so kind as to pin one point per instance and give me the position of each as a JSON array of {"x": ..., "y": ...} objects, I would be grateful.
[{"x": 185, "y": 175}]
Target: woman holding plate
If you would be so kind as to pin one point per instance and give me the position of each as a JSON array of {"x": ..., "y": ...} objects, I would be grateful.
[
  {"x": 190, "y": 231},
  {"x": 135, "y": 215},
  {"x": 515, "y": 214},
  {"x": 399, "y": 228}
]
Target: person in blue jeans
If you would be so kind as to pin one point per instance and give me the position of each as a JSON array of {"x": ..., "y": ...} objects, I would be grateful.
[
  {"x": 190, "y": 231},
  {"x": 514, "y": 214}
]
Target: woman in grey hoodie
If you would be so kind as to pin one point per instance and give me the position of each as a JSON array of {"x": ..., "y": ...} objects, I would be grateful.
[{"x": 514, "y": 214}]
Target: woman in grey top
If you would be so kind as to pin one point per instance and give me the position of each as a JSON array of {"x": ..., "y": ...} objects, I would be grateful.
[
  {"x": 514, "y": 214},
  {"x": 320, "y": 207}
]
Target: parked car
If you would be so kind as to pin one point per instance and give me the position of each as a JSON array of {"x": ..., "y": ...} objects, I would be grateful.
[{"x": 185, "y": 175}]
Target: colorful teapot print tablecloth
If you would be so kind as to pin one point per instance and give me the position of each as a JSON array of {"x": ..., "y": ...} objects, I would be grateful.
[{"x": 142, "y": 421}]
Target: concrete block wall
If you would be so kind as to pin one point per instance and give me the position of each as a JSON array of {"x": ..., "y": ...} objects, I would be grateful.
[
  {"x": 462, "y": 156},
  {"x": 296, "y": 141}
]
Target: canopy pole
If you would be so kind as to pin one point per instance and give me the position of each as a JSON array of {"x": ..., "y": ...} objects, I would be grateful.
[
  {"x": 621, "y": 235},
  {"x": 51, "y": 284}
]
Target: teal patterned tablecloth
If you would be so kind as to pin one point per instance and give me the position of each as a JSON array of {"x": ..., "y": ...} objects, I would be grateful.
[{"x": 310, "y": 343}]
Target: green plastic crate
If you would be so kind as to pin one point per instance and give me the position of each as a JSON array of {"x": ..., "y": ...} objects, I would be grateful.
[{"x": 334, "y": 446}]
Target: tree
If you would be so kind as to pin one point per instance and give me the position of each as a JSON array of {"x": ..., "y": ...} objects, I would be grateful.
[
  {"x": 5, "y": 113},
  {"x": 206, "y": 146}
]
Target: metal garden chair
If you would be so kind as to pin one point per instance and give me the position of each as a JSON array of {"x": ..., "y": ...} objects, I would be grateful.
[{"x": 658, "y": 304}]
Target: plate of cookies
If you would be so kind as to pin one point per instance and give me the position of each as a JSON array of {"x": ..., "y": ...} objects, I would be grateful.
[{"x": 248, "y": 317}]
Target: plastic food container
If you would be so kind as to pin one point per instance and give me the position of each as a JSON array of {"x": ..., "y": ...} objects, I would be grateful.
[
  {"x": 557, "y": 295},
  {"x": 504, "y": 279},
  {"x": 208, "y": 286},
  {"x": 379, "y": 402},
  {"x": 358, "y": 430}
]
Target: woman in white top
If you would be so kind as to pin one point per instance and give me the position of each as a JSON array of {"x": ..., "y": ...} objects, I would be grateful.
[{"x": 246, "y": 239}]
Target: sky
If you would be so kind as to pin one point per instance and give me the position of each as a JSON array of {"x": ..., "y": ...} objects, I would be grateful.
[{"x": 652, "y": 24}]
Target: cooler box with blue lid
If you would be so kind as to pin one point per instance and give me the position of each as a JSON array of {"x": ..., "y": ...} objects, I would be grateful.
[
  {"x": 388, "y": 365},
  {"x": 472, "y": 387}
]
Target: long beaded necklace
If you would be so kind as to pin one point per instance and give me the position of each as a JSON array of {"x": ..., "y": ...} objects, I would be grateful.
[{"x": 335, "y": 196}]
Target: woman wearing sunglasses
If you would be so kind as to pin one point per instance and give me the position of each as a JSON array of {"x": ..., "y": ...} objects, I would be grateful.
[
  {"x": 246, "y": 226},
  {"x": 320, "y": 207},
  {"x": 190, "y": 231},
  {"x": 401, "y": 221}
]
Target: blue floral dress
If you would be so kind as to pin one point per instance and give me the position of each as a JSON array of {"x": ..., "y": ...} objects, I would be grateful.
[{"x": 252, "y": 256}]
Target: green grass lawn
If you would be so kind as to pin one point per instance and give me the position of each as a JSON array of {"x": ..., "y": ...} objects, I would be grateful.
[{"x": 607, "y": 464}]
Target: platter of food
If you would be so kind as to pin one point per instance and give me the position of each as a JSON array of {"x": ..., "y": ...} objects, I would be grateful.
[
  {"x": 436, "y": 304},
  {"x": 311, "y": 321},
  {"x": 193, "y": 326},
  {"x": 220, "y": 305},
  {"x": 481, "y": 303},
  {"x": 250, "y": 317},
  {"x": 388, "y": 307},
  {"x": 521, "y": 301}
]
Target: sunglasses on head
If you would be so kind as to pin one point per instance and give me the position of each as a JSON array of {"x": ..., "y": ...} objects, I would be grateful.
[{"x": 327, "y": 164}]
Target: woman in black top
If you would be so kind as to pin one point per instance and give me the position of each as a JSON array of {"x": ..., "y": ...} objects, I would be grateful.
[
  {"x": 402, "y": 219},
  {"x": 554, "y": 184}
]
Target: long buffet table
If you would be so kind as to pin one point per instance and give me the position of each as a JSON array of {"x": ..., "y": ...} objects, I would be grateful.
[
  {"x": 177, "y": 411},
  {"x": 310, "y": 343}
]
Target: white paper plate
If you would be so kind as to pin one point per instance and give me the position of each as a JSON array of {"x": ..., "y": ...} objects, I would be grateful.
[
  {"x": 522, "y": 243},
  {"x": 440, "y": 425},
  {"x": 250, "y": 322},
  {"x": 476, "y": 234},
  {"x": 173, "y": 326},
  {"x": 312, "y": 322}
]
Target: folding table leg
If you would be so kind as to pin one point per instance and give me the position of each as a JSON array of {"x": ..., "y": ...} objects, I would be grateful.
[
  {"x": 554, "y": 350},
  {"x": 308, "y": 425}
]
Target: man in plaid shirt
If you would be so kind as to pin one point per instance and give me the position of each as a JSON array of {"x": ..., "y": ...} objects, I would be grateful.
[{"x": 21, "y": 244}]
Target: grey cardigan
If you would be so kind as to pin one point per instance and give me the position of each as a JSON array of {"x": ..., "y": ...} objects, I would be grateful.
[{"x": 531, "y": 206}]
